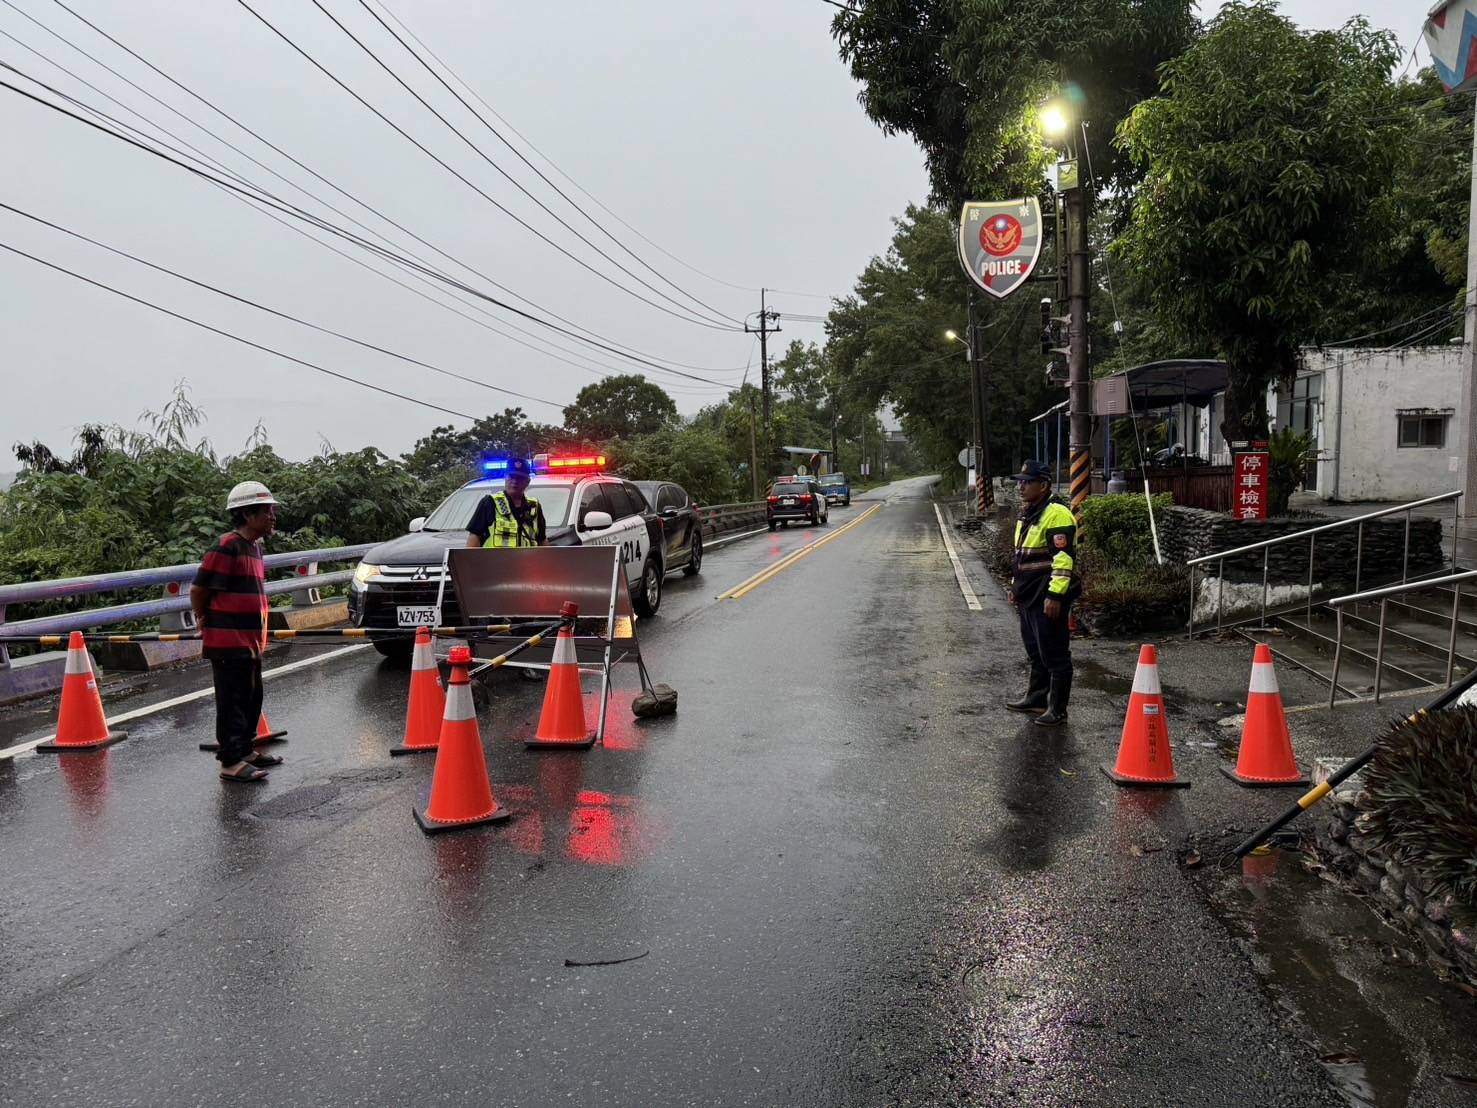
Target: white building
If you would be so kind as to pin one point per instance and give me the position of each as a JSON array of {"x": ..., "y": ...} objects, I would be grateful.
[{"x": 1384, "y": 421}]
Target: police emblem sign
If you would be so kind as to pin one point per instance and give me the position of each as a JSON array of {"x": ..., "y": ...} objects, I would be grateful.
[{"x": 1000, "y": 243}]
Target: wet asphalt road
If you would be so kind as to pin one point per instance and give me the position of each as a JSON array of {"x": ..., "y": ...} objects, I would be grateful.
[{"x": 856, "y": 881}]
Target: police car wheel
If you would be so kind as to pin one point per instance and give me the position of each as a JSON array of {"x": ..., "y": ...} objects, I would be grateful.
[
  {"x": 397, "y": 650},
  {"x": 648, "y": 596},
  {"x": 694, "y": 564},
  {"x": 772, "y": 525}
]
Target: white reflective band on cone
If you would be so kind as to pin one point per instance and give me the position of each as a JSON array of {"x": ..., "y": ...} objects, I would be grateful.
[
  {"x": 78, "y": 662},
  {"x": 1146, "y": 680},
  {"x": 423, "y": 658},
  {"x": 1263, "y": 678},
  {"x": 459, "y": 704},
  {"x": 564, "y": 654}
]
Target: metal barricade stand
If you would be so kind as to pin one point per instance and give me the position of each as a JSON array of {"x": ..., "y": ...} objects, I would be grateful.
[{"x": 531, "y": 584}]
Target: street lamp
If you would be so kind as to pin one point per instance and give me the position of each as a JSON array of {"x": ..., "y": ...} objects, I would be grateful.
[
  {"x": 1055, "y": 120},
  {"x": 953, "y": 336},
  {"x": 979, "y": 450}
]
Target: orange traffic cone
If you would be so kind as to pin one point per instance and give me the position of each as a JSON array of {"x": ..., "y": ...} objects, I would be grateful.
[
  {"x": 80, "y": 724},
  {"x": 562, "y": 721},
  {"x": 461, "y": 794},
  {"x": 1144, "y": 757},
  {"x": 1265, "y": 760},
  {"x": 264, "y": 735},
  {"x": 427, "y": 701}
]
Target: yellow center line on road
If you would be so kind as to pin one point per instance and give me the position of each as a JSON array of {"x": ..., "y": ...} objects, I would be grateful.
[{"x": 752, "y": 583}]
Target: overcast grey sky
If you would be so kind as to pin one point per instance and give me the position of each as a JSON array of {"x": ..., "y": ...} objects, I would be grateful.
[{"x": 727, "y": 133}]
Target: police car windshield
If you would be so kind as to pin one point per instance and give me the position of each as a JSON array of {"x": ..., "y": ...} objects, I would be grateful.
[{"x": 455, "y": 512}]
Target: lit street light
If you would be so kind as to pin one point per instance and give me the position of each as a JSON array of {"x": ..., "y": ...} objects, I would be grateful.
[{"x": 1054, "y": 120}]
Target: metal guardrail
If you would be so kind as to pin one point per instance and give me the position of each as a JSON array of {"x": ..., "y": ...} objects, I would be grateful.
[
  {"x": 175, "y": 602},
  {"x": 1311, "y": 535},
  {"x": 1383, "y": 596},
  {"x": 171, "y": 608},
  {"x": 720, "y": 518}
]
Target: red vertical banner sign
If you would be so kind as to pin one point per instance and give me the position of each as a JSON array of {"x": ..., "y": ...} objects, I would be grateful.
[{"x": 1249, "y": 495}]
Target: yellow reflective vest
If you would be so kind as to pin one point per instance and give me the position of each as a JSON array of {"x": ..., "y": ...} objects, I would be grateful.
[
  {"x": 505, "y": 530},
  {"x": 1045, "y": 554}
]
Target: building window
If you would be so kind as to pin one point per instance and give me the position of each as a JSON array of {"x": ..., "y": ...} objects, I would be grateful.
[{"x": 1419, "y": 430}]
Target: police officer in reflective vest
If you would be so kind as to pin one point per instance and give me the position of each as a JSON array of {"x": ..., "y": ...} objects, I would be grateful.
[
  {"x": 510, "y": 517},
  {"x": 1042, "y": 587}
]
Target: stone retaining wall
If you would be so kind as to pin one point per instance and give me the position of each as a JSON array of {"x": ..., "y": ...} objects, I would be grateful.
[
  {"x": 1394, "y": 886},
  {"x": 1186, "y": 533}
]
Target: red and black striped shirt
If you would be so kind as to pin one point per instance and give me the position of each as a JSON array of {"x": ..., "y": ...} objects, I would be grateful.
[{"x": 236, "y": 610}]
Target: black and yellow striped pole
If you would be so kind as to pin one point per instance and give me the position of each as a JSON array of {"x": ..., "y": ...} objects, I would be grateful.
[
  {"x": 1348, "y": 769},
  {"x": 1079, "y": 377}
]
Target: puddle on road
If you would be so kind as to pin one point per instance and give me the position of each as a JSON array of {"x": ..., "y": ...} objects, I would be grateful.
[{"x": 1389, "y": 1035}]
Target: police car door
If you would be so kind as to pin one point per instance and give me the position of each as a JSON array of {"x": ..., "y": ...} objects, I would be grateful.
[{"x": 627, "y": 530}]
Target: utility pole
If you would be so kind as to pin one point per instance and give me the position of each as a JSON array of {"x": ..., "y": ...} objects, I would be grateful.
[
  {"x": 1079, "y": 380},
  {"x": 970, "y": 337},
  {"x": 1466, "y": 436},
  {"x": 835, "y": 419},
  {"x": 753, "y": 450},
  {"x": 764, "y": 331},
  {"x": 985, "y": 485}
]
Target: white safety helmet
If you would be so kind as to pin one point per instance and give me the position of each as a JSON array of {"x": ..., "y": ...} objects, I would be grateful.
[{"x": 249, "y": 494}]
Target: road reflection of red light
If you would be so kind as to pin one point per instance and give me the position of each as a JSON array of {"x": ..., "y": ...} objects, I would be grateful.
[
  {"x": 590, "y": 796},
  {"x": 596, "y": 837},
  {"x": 86, "y": 777}
]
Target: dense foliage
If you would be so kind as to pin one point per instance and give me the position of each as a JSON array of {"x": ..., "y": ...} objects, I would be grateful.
[
  {"x": 1115, "y": 529},
  {"x": 1420, "y": 798},
  {"x": 622, "y": 406},
  {"x": 1268, "y": 154}
]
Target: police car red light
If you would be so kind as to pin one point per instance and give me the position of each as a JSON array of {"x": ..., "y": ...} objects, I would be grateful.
[{"x": 582, "y": 463}]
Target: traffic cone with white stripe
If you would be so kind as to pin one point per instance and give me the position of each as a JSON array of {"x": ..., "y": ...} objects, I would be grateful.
[
  {"x": 562, "y": 721},
  {"x": 264, "y": 735},
  {"x": 80, "y": 724},
  {"x": 461, "y": 793},
  {"x": 1144, "y": 757},
  {"x": 427, "y": 701},
  {"x": 1265, "y": 759}
]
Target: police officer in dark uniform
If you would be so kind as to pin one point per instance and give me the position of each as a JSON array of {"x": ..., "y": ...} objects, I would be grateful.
[
  {"x": 510, "y": 517},
  {"x": 1042, "y": 587}
]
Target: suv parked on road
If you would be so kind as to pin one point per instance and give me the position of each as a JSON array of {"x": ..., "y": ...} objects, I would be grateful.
[
  {"x": 682, "y": 525},
  {"x": 796, "y": 498},
  {"x": 398, "y": 582}
]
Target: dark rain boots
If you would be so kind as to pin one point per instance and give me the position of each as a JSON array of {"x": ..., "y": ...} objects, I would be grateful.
[
  {"x": 1035, "y": 698},
  {"x": 1056, "y": 712}
]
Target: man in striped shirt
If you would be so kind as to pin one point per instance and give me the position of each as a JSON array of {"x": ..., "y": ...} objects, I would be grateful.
[{"x": 230, "y": 603}]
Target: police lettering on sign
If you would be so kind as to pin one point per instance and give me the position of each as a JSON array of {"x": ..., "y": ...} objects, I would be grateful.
[{"x": 1000, "y": 243}]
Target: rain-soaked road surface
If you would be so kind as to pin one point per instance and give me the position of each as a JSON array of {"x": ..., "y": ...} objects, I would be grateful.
[{"x": 856, "y": 881}]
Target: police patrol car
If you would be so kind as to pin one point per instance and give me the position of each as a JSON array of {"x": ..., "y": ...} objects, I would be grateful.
[{"x": 398, "y": 582}]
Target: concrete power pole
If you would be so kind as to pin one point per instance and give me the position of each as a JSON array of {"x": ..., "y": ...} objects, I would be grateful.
[
  {"x": 1079, "y": 377},
  {"x": 985, "y": 485},
  {"x": 1467, "y": 432},
  {"x": 764, "y": 331},
  {"x": 753, "y": 449}
]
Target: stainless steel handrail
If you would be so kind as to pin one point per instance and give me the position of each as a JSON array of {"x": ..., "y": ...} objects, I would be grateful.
[
  {"x": 1391, "y": 511},
  {"x": 1310, "y": 534},
  {"x": 1383, "y": 596}
]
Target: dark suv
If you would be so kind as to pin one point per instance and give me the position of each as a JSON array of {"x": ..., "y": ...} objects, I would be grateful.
[{"x": 796, "y": 498}]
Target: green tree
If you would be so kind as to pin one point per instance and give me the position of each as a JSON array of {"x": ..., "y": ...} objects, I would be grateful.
[
  {"x": 621, "y": 406},
  {"x": 1264, "y": 154},
  {"x": 966, "y": 78},
  {"x": 447, "y": 457},
  {"x": 698, "y": 460}
]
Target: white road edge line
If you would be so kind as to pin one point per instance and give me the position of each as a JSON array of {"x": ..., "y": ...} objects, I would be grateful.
[
  {"x": 726, "y": 539},
  {"x": 198, "y": 694},
  {"x": 971, "y": 601}
]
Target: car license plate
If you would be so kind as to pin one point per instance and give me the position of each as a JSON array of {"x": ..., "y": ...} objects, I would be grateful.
[
  {"x": 788, "y": 501},
  {"x": 407, "y": 616}
]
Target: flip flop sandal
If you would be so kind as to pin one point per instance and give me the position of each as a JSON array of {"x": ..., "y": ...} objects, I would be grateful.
[
  {"x": 246, "y": 775},
  {"x": 261, "y": 761}
]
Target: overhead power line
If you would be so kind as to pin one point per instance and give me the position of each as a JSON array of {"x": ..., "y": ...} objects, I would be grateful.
[
  {"x": 449, "y": 168},
  {"x": 269, "y": 310},
  {"x": 597, "y": 224},
  {"x": 471, "y": 91},
  {"x": 299, "y": 213},
  {"x": 233, "y": 337},
  {"x": 481, "y": 322},
  {"x": 643, "y": 355}
]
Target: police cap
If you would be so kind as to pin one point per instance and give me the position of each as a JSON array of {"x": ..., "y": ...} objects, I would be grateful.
[
  {"x": 1032, "y": 470},
  {"x": 519, "y": 467}
]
